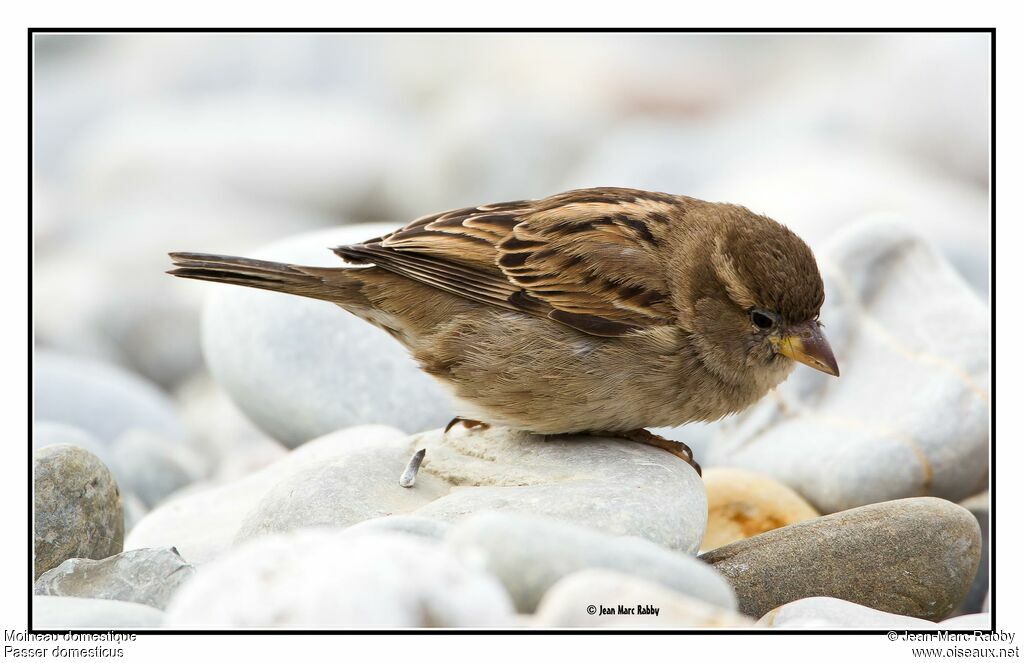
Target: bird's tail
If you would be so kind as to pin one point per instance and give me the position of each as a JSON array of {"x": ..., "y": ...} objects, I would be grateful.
[{"x": 338, "y": 285}]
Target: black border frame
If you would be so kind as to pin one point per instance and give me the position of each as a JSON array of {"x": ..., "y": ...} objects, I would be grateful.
[{"x": 517, "y": 631}]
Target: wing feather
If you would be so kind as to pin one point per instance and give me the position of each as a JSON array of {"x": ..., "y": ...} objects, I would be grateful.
[{"x": 588, "y": 258}]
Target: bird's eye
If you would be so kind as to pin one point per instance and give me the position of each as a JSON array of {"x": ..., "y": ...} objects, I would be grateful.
[{"x": 761, "y": 319}]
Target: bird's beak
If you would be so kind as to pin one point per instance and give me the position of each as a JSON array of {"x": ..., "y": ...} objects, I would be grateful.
[{"x": 806, "y": 344}]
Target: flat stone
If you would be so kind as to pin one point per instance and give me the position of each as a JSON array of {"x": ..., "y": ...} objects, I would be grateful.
[
  {"x": 742, "y": 504},
  {"x": 301, "y": 368},
  {"x": 867, "y": 436},
  {"x": 149, "y": 575},
  {"x": 589, "y": 481},
  {"x": 203, "y": 523},
  {"x": 62, "y": 613},
  {"x": 333, "y": 579},
  {"x": 631, "y": 601},
  {"x": 530, "y": 554},
  {"x": 914, "y": 557},
  {"x": 819, "y": 612},
  {"x": 77, "y": 507}
]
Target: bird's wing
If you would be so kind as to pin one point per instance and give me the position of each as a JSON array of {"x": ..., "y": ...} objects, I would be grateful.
[{"x": 586, "y": 258}]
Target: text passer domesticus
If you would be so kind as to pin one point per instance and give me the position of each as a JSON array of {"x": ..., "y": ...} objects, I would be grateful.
[{"x": 598, "y": 311}]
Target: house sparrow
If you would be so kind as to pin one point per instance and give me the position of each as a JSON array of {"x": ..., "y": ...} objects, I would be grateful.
[{"x": 599, "y": 311}]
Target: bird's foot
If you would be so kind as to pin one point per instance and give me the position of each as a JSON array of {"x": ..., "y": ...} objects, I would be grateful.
[
  {"x": 644, "y": 436},
  {"x": 467, "y": 423}
]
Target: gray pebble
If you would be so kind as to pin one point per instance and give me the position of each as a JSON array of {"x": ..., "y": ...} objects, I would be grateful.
[
  {"x": 77, "y": 507},
  {"x": 914, "y": 557}
]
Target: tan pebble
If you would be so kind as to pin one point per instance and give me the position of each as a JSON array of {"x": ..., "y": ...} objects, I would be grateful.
[{"x": 742, "y": 504}]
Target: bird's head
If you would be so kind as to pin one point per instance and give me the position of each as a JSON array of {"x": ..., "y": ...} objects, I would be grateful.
[{"x": 758, "y": 305}]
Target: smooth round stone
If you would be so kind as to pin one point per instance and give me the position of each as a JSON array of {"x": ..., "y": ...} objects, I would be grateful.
[
  {"x": 742, "y": 504},
  {"x": 588, "y": 481},
  {"x": 77, "y": 507},
  {"x": 203, "y": 523},
  {"x": 62, "y": 613},
  {"x": 46, "y": 433},
  {"x": 301, "y": 368},
  {"x": 914, "y": 557},
  {"x": 818, "y": 612},
  {"x": 149, "y": 575},
  {"x": 101, "y": 399},
  {"x": 530, "y": 554},
  {"x": 909, "y": 415},
  {"x": 331, "y": 579},
  {"x": 563, "y": 606}
]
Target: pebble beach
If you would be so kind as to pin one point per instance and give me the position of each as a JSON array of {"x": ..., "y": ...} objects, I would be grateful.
[{"x": 213, "y": 457}]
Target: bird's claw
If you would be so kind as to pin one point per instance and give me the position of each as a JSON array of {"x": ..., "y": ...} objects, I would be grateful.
[
  {"x": 467, "y": 423},
  {"x": 644, "y": 436}
]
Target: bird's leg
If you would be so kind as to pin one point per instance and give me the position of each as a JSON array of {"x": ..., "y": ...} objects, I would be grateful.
[
  {"x": 468, "y": 423},
  {"x": 644, "y": 436}
]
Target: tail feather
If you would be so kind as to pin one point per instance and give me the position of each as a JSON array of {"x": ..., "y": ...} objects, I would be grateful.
[{"x": 337, "y": 285}]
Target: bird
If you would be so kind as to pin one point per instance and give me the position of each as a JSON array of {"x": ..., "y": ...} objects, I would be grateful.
[{"x": 602, "y": 311}]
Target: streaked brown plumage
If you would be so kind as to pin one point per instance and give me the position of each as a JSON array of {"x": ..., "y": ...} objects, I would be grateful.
[{"x": 592, "y": 310}]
